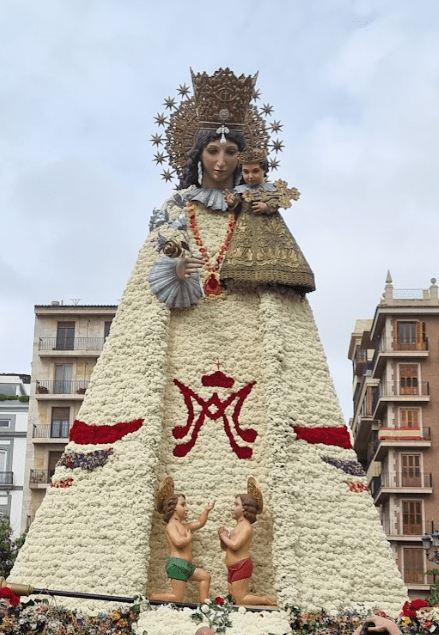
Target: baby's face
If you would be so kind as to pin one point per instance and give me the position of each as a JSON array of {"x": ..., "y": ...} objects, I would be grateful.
[{"x": 252, "y": 173}]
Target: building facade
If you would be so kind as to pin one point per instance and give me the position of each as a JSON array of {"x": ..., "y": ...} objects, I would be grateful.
[
  {"x": 67, "y": 343},
  {"x": 14, "y": 410},
  {"x": 395, "y": 422}
]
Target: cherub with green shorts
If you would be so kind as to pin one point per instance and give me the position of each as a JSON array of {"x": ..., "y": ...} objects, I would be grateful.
[{"x": 179, "y": 567}]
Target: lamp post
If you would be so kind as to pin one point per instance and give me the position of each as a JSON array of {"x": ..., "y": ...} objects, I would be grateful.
[{"x": 429, "y": 540}]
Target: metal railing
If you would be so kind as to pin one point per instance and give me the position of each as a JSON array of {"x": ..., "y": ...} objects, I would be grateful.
[
  {"x": 400, "y": 434},
  {"x": 6, "y": 478},
  {"x": 400, "y": 388},
  {"x": 60, "y": 387},
  {"x": 51, "y": 431},
  {"x": 403, "y": 480},
  {"x": 390, "y": 345},
  {"x": 41, "y": 476},
  {"x": 408, "y": 294},
  {"x": 399, "y": 527},
  {"x": 71, "y": 344}
]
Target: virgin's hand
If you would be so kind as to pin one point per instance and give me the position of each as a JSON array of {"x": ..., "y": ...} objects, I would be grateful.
[
  {"x": 210, "y": 506},
  {"x": 188, "y": 266}
]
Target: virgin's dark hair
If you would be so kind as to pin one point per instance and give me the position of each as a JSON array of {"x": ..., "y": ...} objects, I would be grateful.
[{"x": 190, "y": 172}]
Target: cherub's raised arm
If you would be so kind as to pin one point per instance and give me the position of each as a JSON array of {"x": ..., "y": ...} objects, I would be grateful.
[{"x": 202, "y": 518}]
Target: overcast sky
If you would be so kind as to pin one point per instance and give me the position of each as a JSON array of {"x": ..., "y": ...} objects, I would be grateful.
[{"x": 354, "y": 82}]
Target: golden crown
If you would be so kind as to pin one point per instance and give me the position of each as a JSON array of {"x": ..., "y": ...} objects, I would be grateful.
[{"x": 220, "y": 101}]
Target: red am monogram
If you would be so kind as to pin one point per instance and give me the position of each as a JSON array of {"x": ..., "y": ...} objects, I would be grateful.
[{"x": 214, "y": 408}]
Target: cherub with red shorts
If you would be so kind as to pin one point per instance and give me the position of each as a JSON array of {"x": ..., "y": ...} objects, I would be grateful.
[{"x": 236, "y": 544}]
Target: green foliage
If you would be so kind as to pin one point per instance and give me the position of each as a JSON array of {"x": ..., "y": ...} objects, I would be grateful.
[
  {"x": 8, "y": 546},
  {"x": 24, "y": 398},
  {"x": 433, "y": 597}
]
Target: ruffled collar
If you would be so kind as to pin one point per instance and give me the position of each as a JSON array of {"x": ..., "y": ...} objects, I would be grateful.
[
  {"x": 209, "y": 198},
  {"x": 270, "y": 187}
]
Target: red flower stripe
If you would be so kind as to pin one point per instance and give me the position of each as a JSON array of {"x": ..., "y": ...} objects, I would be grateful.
[
  {"x": 85, "y": 434},
  {"x": 357, "y": 487},
  {"x": 67, "y": 482},
  {"x": 328, "y": 436}
]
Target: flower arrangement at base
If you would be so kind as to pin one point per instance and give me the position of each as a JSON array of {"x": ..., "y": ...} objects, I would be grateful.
[
  {"x": 40, "y": 617},
  {"x": 216, "y": 614},
  {"x": 221, "y": 615}
]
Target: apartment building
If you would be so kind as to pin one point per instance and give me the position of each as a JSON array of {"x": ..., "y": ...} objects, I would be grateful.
[
  {"x": 395, "y": 423},
  {"x": 67, "y": 343},
  {"x": 14, "y": 407}
]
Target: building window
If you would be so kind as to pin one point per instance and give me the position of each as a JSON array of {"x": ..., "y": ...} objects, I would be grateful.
[
  {"x": 3, "y": 457},
  {"x": 107, "y": 327},
  {"x": 60, "y": 424},
  {"x": 411, "y": 470},
  {"x": 412, "y": 518},
  {"x": 63, "y": 379},
  {"x": 54, "y": 457},
  {"x": 409, "y": 418},
  {"x": 410, "y": 336},
  {"x": 413, "y": 565},
  {"x": 408, "y": 379},
  {"x": 5, "y": 423},
  {"x": 65, "y": 336}
]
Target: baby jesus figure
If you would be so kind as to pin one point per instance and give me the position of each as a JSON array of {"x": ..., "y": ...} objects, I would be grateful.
[
  {"x": 262, "y": 250},
  {"x": 179, "y": 567}
]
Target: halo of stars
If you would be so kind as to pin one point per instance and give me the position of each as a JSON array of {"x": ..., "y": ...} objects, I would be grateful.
[{"x": 161, "y": 120}]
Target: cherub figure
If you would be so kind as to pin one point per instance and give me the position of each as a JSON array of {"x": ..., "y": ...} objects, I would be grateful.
[
  {"x": 179, "y": 567},
  {"x": 236, "y": 544}
]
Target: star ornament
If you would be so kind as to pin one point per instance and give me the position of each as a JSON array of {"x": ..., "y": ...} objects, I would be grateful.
[
  {"x": 169, "y": 103},
  {"x": 156, "y": 140},
  {"x": 256, "y": 95},
  {"x": 159, "y": 158},
  {"x": 276, "y": 126},
  {"x": 160, "y": 119},
  {"x": 273, "y": 164},
  {"x": 183, "y": 90},
  {"x": 277, "y": 145},
  {"x": 167, "y": 175},
  {"x": 267, "y": 109}
]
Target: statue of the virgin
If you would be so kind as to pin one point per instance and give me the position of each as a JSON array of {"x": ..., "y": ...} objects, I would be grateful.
[{"x": 210, "y": 381}]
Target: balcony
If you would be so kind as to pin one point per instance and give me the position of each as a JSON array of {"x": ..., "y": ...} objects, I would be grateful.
[
  {"x": 70, "y": 346},
  {"x": 388, "y": 348},
  {"x": 399, "y": 391},
  {"x": 409, "y": 438},
  {"x": 402, "y": 530},
  {"x": 57, "y": 432},
  {"x": 6, "y": 480},
  {"x": 40, "y": 479},
  {"x": 409, "y": 482},
  {"x": 58, "y": 388}
]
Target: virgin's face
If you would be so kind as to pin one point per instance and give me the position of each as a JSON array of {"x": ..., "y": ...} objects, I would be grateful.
[
  {"x": 237, "y": 509},
  {"x": 180, "y": 509},
  {"x": 219, "y": 162}
]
